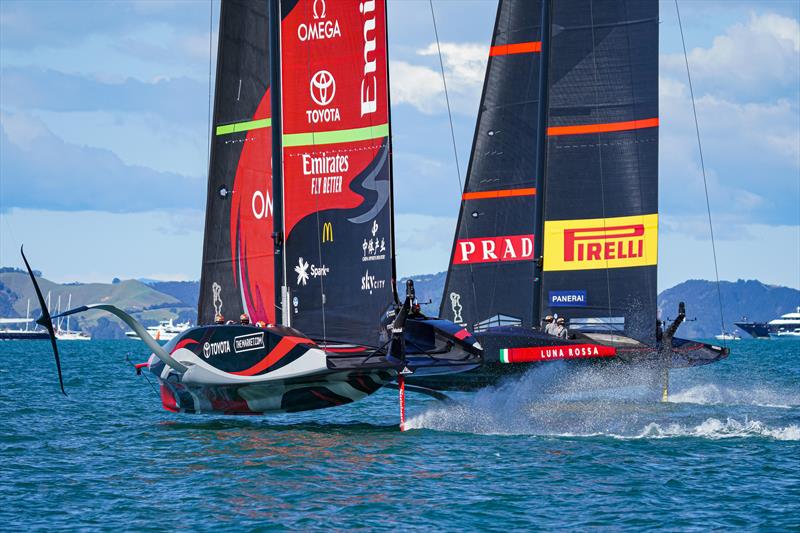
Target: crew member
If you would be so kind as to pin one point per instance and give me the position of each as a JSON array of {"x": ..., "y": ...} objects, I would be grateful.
[
  {"x": 560, "y": 329},
  {"x": 219, "y": 319},
  {"x": 244, "y": 319},
  {"x": 261, "y": 324},
  {"x": 548, "y": 321}
]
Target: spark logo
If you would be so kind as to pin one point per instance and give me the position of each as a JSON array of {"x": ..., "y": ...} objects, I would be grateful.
[
  {"x": 327, "y": 232},
  {"x": 494, "y": 249},
  {"x": 601, "y": 243}
]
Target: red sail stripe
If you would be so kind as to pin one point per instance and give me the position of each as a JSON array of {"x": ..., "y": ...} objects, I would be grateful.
[
  {"x": 516, "y": 48},
  {"x": 500, "y": 193},
  {"x": 603, "y": 128},
  {"x": 283, "y": 347}
]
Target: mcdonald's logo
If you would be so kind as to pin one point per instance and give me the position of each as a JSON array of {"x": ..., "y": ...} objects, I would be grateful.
[{"x": 327, "y": 232}]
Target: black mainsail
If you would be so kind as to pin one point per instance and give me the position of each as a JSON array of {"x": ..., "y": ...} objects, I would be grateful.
[
  {"x": 559, "y": 212},
  {"x": 238, "y": 261},
  {"x": 601, "y": 193}
]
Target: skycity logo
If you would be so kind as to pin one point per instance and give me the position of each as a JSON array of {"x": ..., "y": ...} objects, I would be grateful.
[
  {"x": 601, "y": 243},
  {"x": 369, "y": 283},
  {"x": 494, "y": 249}
]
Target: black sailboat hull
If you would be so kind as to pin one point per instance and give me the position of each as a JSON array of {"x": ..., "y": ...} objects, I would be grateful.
[
  {"x": 249, "y": 370},
  {"x": 638, "y": 363}
]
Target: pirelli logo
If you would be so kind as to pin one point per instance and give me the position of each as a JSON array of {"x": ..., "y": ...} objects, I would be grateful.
[
  {"x": 327, "y": 232},
  {"x": 601, "y": 243}
]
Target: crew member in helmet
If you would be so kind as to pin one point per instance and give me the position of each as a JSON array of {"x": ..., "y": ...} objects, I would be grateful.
[
  {"x": 244, "y": 319},
  {"x": 219, "y": 319},
  {"x": 560, "y": 329},
  {"x": 547, "y": 323}
]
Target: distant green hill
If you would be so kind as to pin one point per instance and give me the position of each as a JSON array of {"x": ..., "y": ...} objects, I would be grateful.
[
  {"x": 749, "y": 298},
  {"x": 143, "y": 301},
  {"x": 152, "y": 301}
]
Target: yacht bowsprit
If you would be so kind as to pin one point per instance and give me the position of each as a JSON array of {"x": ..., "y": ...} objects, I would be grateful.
[{"x": 299, "y": 225}]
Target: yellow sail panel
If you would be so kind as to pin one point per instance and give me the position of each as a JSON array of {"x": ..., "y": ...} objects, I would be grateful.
[{"x": 596, "y": 243}]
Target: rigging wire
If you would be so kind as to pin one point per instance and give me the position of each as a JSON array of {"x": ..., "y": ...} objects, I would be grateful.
[
  {"x": 452, "y": 138},
  {"x": 446, "y": 98},
  {"x": 703, "y": 168}
]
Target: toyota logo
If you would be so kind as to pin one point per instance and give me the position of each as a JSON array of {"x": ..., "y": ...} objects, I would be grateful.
[{"x": 323, "y": 87}]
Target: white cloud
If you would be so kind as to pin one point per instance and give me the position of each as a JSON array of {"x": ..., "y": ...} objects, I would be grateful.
[
  {"x": 422, "y": 87},
  {"x": 750, "y": 58},
  {"x": 418, "y": 86}
]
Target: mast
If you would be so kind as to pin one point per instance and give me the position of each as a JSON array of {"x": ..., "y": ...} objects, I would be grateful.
[
  {"x": 282, "y": 305},
  {"x": 541, "y": 170},
  {"x": 391, "y": 169}
]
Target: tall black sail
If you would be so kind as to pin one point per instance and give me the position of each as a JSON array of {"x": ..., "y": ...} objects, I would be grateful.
[
  {"x": 238, "y": 262},
  {"x": 491, "y": 276},
  {"x": 336, "y": 152},
  {"x": 601, "y": 181}
]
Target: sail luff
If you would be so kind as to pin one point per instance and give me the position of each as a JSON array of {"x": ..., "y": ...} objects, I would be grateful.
[
  {"x": 203, "y": 296},
  {"x": 541, "y": 159}
]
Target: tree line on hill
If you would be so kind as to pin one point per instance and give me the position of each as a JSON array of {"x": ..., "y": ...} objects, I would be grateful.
[{"x": 151, "y": 301}]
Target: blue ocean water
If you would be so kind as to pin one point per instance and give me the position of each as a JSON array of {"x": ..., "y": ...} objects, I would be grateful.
[{"x": 724, "y": 452}]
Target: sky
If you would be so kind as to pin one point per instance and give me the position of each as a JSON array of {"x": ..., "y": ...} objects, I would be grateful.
[{"x": 104, "y": 116}]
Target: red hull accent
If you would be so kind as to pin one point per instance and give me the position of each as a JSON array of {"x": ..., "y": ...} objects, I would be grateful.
[{"x": 550, "y": 353}]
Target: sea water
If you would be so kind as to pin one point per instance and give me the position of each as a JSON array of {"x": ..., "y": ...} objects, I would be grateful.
[{"x": 550, "y": 450}]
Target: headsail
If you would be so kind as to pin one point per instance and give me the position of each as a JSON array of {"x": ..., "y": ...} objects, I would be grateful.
[
  {"x": 601, "y": 184},
  {"x": 238, "y": 261},
  {"x": 336, "y": 168},
  {"x": 490, "y": 280}
]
